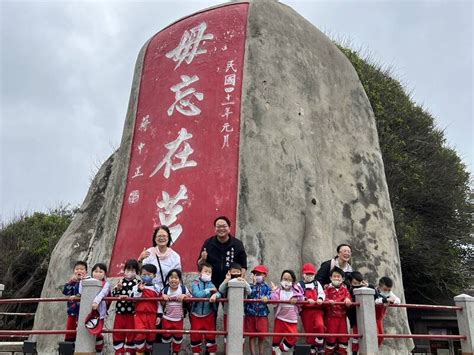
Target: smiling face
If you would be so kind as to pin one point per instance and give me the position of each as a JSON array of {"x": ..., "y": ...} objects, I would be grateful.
[
  {"x": 162, "y": 238},
  {"x": 222, "y": 229},
  {"x": 98, "y": 274},
  {"x": 174, "y": 280},
  {"x": 344, "y": 253}
]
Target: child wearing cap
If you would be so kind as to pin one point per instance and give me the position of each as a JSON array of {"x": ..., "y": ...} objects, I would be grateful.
[
  {"x": 312, "y": 314},
  {"x": 256, "y": 313}
]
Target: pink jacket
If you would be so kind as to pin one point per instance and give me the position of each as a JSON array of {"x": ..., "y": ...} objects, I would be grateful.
[{"x": 284, "y": 311}]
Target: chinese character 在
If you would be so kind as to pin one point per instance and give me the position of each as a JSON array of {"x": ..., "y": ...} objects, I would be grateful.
[
  {"x": 188, "y": 46},
  {"x": 182, "y": 101},
  {"x": 183, "y": 155},
  {"x": 169, "y": 208}
]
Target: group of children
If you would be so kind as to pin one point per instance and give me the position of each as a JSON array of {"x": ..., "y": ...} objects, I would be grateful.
[{"x": 319, "y": 313}]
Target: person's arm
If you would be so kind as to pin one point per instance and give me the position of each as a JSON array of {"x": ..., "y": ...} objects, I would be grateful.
[
  {"x": 202, "y": 258},
  {"x": 103, "y": 293},
  {"x": 393, "y": 298},
  {"x": 223, "y": 287},
  {"x": 321, "y": 293},
  {"x": 69, "y": 289},
  {"x": 198, "y": 292}
]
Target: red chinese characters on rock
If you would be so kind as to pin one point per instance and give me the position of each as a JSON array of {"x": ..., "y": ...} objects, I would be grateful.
[{"x": 183, "y": 168}]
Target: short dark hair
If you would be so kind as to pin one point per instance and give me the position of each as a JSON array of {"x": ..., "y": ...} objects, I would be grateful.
[
  {"x": 337, "y": 270},
  {"x": 235, "y": 266},
  {"x": 132, "y": 264},
  {"x": 291, "y": 272},
  {"x": 80, "y": 262},
  {"x": 166, "y": 229},
  {"x": 386, "y": 281},
  {"x": 343, "y": 245},
  {"x": 101, "y": 266},
  {"x": 224, "y": 218},
  {"x": 201, "y": 265},
  {"x": 177, "y": 272},
  {"x": 355, "y": 275},
  {"x": 150, "y": 268}
]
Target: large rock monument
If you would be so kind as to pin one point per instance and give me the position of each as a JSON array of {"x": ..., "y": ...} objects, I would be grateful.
[{"x": 245, "y": 110}]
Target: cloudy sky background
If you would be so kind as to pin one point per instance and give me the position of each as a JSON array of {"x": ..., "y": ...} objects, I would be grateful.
[{"x": 67, "y": 66}]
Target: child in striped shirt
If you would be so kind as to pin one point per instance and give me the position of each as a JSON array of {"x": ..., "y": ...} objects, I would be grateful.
[
  {"x": 286, "y": 314},
  {"x": 174, "y": 310}
]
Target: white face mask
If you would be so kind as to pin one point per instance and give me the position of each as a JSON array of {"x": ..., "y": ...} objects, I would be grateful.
[
  {"x": 308, "y": 278},
  {"x": 385, "y": 294},
  {"x": 336, "y": 283},
  {"x": 130, "y": 274},
  {"x": 205, "y": 277},
  {"x": 286, "y": 284},
  {"x": 259, "y": 279}
]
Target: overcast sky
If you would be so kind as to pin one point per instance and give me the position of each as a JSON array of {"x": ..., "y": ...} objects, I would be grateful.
[{"x": 66, "y": 72}]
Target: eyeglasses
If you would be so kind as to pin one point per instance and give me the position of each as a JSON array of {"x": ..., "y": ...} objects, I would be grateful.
[{"x": 222, "y": 226}]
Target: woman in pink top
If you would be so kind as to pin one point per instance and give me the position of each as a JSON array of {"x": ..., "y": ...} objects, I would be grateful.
[{"x": 286, "y": 314}]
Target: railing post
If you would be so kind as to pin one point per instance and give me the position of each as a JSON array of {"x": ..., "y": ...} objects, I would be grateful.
[
  {"x": 2, "y": 288},
  {"x": 235, "y": 317},
  {"x": 466, "y": 322},
  {"x": 85, "y": 342},
  {"x": 366, "y": 324}
]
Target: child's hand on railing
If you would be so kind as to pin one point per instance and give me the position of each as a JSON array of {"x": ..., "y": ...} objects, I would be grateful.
[
  {"x": 165, "y": 298},
  {"x": 265, "y": 299},
  {"x": 213, "y": 298},
  {"x": 348, "y": 302},
  {"x": 319, "y": 301},
  {"x": 311, "y": 301},
  {"x": 293, "y": 300},
  {"x": 95, "y": 306}
]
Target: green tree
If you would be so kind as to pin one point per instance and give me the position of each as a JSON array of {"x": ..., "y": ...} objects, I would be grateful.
[
  {"x": 429, "y": 190},
  {"x": 27, "y": 242}
]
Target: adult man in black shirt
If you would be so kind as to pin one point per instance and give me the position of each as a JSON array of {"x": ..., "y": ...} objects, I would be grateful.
[{"x": 221, "y": 250}]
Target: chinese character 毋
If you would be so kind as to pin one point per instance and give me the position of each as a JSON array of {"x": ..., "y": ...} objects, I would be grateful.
[{"x": 188, "y": 46}]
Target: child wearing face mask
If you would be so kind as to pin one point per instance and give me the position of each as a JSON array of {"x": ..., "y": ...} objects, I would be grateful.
[
  {"x": 173, "y": 295},
  {"x": 312, "y": 315},
  {"x": 99, "y": 272},
  {"x": 383, "y": 297},
  {"x": 256, "y": 314},
  {"x": 336, "y": 323},
  {"x": 147, "y": 314},
  {"x": 355, "y": 281},
  {"x": 286, "y": 314},
  {"x": 125, "y": 310},
  {"x": 234, "y": 274},
  {"x": 203, "y": 314}
]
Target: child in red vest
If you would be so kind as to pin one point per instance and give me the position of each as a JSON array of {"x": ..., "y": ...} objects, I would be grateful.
[
  {"x": 146, "y": 312},
  {"x": 383, "y": 297},
  {"x": 125, "y": 310},
  {"x": 286, "y": 315},
  {"x": 173, "y": 294},
  {"x": 312, "y": 315},
  {"x": 336, "y": 291}
]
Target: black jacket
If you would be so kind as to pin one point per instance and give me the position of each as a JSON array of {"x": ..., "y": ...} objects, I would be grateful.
[{"x": 222, "y": 255}]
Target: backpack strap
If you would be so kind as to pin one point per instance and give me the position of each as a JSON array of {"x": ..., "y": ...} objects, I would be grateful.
[{"x": 302, "y": 285}]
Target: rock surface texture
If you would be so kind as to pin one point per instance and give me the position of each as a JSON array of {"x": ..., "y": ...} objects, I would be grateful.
[{"x": 311, "y": 171}]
